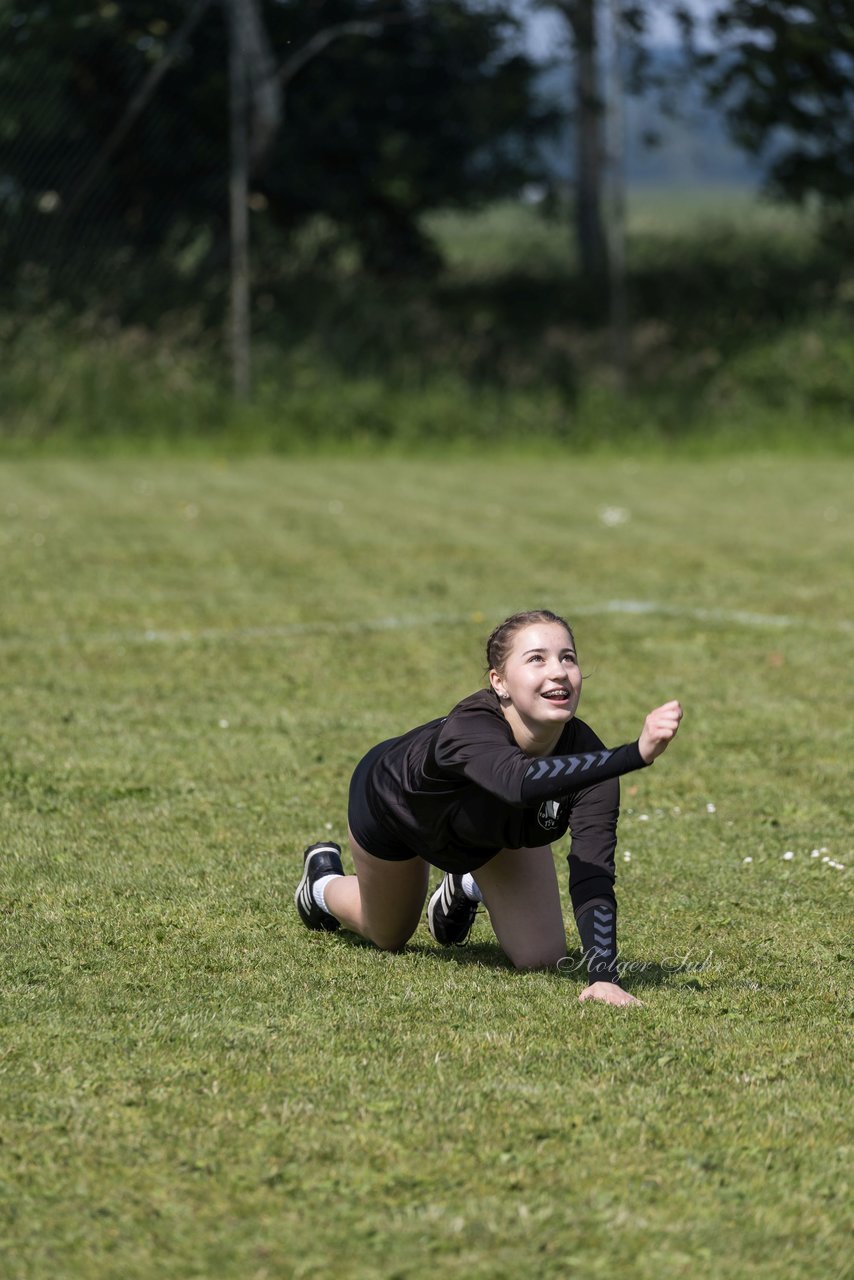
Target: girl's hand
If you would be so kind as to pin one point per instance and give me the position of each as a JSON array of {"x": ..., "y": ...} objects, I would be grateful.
[
  {"x": 659, "y": 729},
  {"x": 608, "y": 993}
]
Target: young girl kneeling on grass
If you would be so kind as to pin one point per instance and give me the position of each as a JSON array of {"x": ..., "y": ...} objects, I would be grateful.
[{"x": 481, "y": 793}]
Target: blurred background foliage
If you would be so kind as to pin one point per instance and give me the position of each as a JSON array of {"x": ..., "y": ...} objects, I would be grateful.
[{"x": 419, "y": 272}]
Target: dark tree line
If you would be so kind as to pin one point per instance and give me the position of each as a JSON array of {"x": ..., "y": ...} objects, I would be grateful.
[
  {"x": 435, "y": 107},
  {"x": 367, "y": 112}
]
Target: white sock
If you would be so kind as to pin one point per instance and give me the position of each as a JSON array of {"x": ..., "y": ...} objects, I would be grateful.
[
  {"x": 470, "y": 889},
  {"x": 318, "y": 890}
]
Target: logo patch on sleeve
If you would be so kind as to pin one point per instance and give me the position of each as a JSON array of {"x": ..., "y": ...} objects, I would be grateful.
[{"x": 548, "y": 814}]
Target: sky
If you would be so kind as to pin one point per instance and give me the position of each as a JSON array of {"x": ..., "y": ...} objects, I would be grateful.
[
  {"x": 546, "y": 30},
  {"x": 693, "y": 151}
]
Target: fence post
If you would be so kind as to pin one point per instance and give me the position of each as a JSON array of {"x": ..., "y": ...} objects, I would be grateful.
[{"x": 238, "y": 196}]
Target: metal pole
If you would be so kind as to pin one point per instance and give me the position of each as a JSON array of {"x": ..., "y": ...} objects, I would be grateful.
[
  {"x": 238, "y": 194},
  {"x": 619, "y": 310}
]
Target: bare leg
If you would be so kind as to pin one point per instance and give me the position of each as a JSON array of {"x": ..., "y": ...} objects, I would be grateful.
[
  {"x": 383, "y": 901},
  {"x": 521, "y": 894}
]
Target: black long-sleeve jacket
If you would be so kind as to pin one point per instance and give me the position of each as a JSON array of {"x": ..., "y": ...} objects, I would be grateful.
[{"x": 460, "y": 789}]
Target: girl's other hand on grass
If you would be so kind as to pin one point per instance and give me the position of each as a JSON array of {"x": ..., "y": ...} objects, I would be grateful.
[
  {"x": 608, "y": 993},
  {"x": 659, "y": 729}
]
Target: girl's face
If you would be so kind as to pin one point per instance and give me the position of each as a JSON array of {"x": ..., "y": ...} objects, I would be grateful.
[{"x": 541, "y": 679}]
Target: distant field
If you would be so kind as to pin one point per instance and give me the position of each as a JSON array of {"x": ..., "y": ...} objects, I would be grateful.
[
  {"x": 196, "y": 653},
  {"x": 528, "y": 237}
]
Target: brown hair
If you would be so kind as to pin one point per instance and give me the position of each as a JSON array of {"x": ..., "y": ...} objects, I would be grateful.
[{"x": 500, "y": 642}]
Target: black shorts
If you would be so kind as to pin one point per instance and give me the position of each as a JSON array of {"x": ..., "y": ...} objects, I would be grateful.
[
  {"x": 375, "y": 838},
  {"x": 366, "y": 828}
]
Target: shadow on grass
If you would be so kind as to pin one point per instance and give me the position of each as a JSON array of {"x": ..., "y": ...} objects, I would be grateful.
[
  {"x": 718, "y": 284},
  {"x": 637, "y": 974}
]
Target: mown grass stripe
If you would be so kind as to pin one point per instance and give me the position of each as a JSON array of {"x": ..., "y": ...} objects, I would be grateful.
[{"x": 403, "y": 622}]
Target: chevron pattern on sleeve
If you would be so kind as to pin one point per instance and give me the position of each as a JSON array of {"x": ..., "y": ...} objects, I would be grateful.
[
  {"x": 566, "y": 766},
  {"x": 550, "y": 777}
]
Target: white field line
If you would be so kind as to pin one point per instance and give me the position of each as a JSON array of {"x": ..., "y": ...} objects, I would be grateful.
[{"x": 403, "y": 622}]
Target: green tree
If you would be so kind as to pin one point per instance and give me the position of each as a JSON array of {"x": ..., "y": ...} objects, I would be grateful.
[
  {"x": 438, "y": 109},
  {"x": 784, "y": 71},
  {"x": 69, "y": 69}
]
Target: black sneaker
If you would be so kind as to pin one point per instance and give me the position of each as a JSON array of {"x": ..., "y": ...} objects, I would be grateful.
[
  {"x": 450, "y": 914},
  {"x": 320, "y": 860}
]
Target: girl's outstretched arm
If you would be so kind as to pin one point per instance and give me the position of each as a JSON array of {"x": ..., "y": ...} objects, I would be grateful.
[{"x": 552, "y": 776}]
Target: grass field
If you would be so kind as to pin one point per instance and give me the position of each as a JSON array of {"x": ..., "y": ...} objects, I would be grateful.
[{"x": 195, "y": 655}]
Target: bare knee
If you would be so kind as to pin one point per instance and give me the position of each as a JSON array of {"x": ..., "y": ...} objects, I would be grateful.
[
  {"x": 536, "y": 957},
  {"x": 391, "y": 936},
  {"x": 390, "y": 942}
]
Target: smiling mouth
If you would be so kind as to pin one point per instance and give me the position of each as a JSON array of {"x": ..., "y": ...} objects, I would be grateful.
[{"x": 556, "y": 695}]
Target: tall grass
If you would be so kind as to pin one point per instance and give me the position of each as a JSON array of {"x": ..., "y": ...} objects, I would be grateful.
[{"x": 740, "y": 322}]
